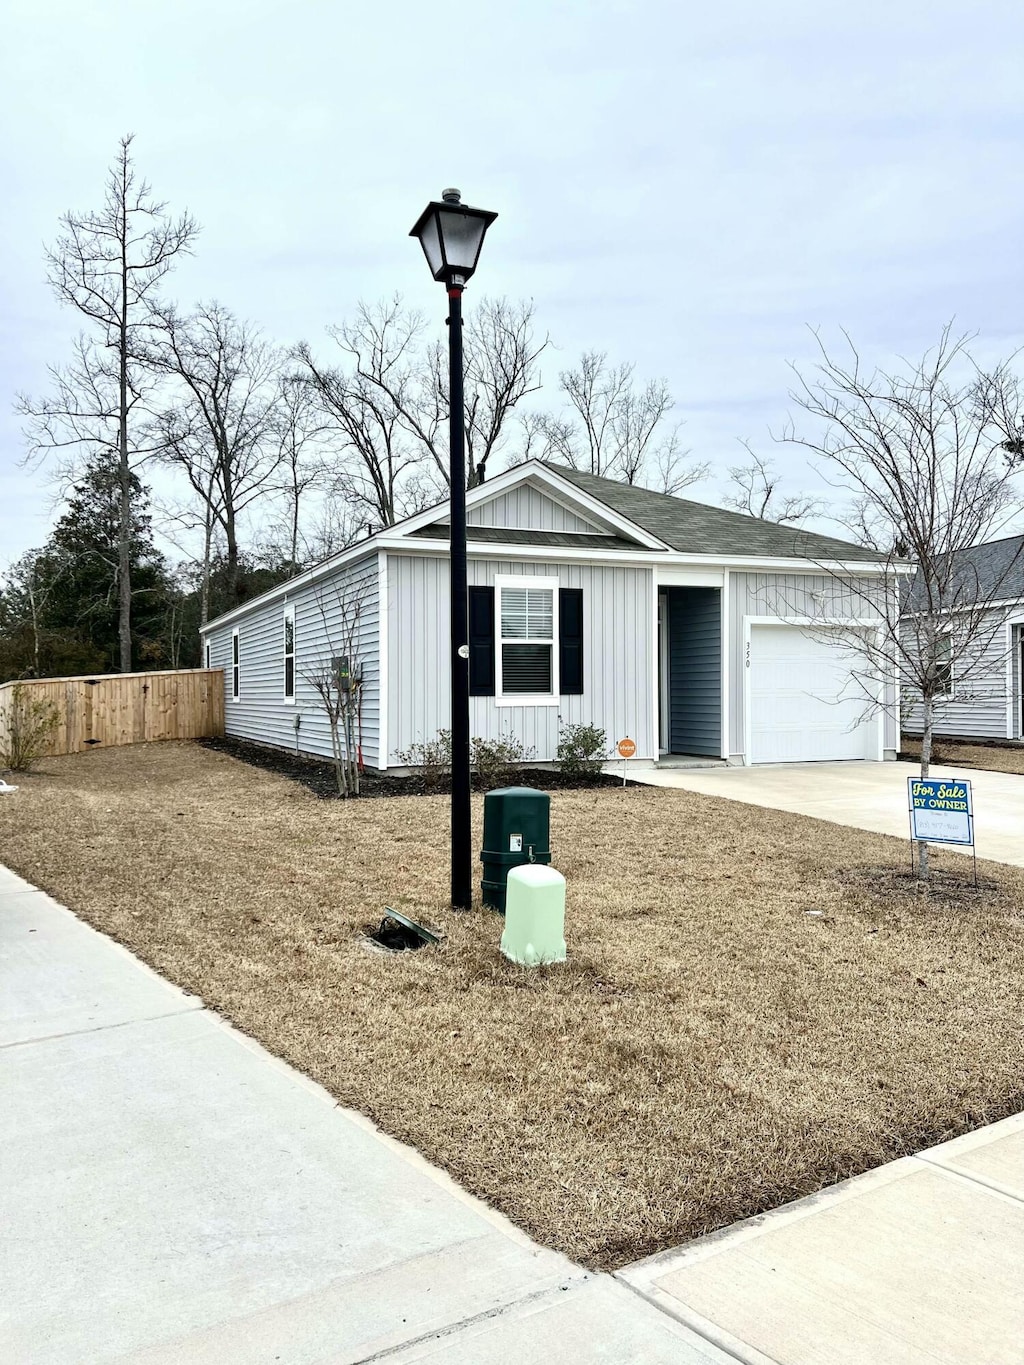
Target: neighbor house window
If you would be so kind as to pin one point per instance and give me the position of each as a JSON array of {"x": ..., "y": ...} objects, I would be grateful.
[
  {"x": 944, "y": 665},
  {"x": 236, "y": 669},
  {"x": 289, "y": 653},
  {"x": 527, "y": 632},
  {"x": 206, "y": 654}
]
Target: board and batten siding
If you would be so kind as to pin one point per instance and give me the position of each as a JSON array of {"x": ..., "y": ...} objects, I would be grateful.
[
  {"x": 261, "y": 712},
  {"x": 527, "y": 509},
  {"x": 817, "y": 596},
  {"x": 978, "y": 707},
  {"x": 618, "y": 654}
]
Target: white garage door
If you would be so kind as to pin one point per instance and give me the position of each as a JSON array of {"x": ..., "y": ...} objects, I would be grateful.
[{"x": 805, "y": 703}]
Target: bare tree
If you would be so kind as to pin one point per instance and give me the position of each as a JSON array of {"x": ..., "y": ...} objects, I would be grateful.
[
  {"x": 364, "y": 405},
  {"x": 336, "y": 677},
  {"x": 388, "y": 399},
  {"x": 921, "y": 452},
  {"x": 222, "y": 429},
  {"x": 108, "y": 264},
  {"x": 757, "y": 493},
  {"x": 298, "y": 429},
  {"x": 615, "y": 428}
]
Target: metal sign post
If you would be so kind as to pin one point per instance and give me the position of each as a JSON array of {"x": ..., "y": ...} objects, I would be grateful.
[
  {"x": 626, "y": 748},
  {"x": 942, "y": 812}
]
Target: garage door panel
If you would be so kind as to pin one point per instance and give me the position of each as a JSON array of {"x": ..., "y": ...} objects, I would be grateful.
[{"x": 805, "y": 703}]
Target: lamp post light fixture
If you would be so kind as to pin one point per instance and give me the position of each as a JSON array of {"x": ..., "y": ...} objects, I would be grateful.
[{"x": 451, "y": 235}]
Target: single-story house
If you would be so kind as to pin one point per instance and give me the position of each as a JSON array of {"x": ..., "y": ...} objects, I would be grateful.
[
  {"x": 682, "y": 626},
  {"x": 982, "y": 680}
]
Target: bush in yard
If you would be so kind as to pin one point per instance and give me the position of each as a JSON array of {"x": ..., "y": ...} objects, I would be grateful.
[
  {"x": 31, "y": 722},
  {"x": 433, "y": 757},
  {"x": 495, "y": 760},
  {"x": 582, "y": 749}
]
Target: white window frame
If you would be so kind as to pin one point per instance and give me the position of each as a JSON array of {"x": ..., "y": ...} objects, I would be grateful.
[
  {"x": 236, "y": 666},
  {"x": 287, "y": 617},
  {"x": 501, "y": 698},
  {"x": 941, "y": 698},
  {"x": 207, "y": 654}
]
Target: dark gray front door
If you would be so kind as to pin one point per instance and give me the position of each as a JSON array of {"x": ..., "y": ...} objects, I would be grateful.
[{"x": 695, "y": 671}]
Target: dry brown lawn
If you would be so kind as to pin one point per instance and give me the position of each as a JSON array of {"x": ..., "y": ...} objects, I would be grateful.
[
  {"x": 997, "y": 757},
  {"x": 710, "y": 1051}
]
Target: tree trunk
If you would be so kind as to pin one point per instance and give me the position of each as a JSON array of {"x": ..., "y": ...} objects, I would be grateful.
[
  {"x": 124, "y": 533},
  {"x": 124, "y": 530},
  {"x": 336, "y": 749},
  {"x": 926, "y": 760},
  {"x": 295, "y": 523},
  {"x": 231, "y": 536},
  {"x": 204, "y": 585}
]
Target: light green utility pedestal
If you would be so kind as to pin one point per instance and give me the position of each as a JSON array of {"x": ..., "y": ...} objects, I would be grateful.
[{"x": 534, "y": 916}]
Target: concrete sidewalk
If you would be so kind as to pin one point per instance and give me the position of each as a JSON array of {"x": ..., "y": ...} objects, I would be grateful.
[
  {"x": 869, "y": 796},
  {"x": 918, "y": 1262},
  {"x": 172, "y": 1195}
]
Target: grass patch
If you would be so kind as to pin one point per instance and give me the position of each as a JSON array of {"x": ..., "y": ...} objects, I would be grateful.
[
  {"x": 997, "y": 758},
  {"x": 712, "y": 1049}
]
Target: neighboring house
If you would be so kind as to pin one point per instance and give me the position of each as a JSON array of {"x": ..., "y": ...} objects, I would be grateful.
[
  {"x": 981, "y": 689},
  {"x": 679, "y": 625}
]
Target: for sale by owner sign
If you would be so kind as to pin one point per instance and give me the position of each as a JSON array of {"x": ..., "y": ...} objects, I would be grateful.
[{"x": 940, "y": 810}]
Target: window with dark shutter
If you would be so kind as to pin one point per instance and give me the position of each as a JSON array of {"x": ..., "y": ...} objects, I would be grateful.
[
  {"x": 570, "y": 641},
  {"x": 481, "y": 642}
]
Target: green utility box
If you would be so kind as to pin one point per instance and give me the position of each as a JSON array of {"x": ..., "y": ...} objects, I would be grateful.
[{"x": 517, "y": 830}]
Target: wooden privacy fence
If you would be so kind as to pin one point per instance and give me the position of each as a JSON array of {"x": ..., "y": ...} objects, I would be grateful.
[{"x": 124, "y": 708}]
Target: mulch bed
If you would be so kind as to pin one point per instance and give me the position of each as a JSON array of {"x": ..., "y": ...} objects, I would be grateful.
[{"x": 318, "y": 774}]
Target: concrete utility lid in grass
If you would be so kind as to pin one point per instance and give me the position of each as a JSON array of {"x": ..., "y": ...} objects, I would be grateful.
[{"x": 397, "y": 933}]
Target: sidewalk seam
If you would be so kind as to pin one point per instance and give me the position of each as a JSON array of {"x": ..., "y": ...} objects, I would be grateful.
[
  {"x": 485, "y": 1315},
  {"x": 197, "y": 1008},
  {"x": 654, "y": 1299},
  {"x": 971, "y": 1178}
]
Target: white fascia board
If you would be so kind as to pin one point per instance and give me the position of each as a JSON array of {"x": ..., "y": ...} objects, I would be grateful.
[
  {"x": 366, "y": 549},
  {"x": 667, "y": 558}
]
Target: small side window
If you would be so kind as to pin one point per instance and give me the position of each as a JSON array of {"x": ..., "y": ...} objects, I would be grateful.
[
  {"x": 289, "y": 653},
  {"x": 236, "y": 665},
  {"x": 944, "y": 666},
  {"x": 206, "y": 655}
]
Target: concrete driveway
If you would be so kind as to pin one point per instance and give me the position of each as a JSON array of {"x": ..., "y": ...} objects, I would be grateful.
[{"x": 866, "y": 795}]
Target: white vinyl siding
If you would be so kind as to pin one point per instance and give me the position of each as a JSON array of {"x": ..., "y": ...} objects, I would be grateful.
[
  {"x": 262, "y": 714},
  {"x": 527, "y": 509},
  {"x": 618, "y": 655},
  {"x": 983, "y": 703}
]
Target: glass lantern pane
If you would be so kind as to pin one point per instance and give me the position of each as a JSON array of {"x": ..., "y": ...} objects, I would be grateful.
[
  {"x": 462, "y": 235},
  {"x": 431, "y": 243}
]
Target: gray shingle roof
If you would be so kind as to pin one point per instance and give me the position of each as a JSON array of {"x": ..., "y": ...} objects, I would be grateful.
[
  {"x": 992, "y": 572},
  {"x": 510, "y": 535},
  {"x": 696, "y": 528}
]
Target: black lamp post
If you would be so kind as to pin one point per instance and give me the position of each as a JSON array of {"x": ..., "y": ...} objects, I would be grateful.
[{"x": 451, "y": 235}]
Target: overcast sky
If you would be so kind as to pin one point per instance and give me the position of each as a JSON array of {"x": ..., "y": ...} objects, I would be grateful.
[{"x": 687, "y": 187}]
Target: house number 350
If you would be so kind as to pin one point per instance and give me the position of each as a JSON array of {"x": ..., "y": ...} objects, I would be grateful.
[{"x": 748, "y": 653}]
